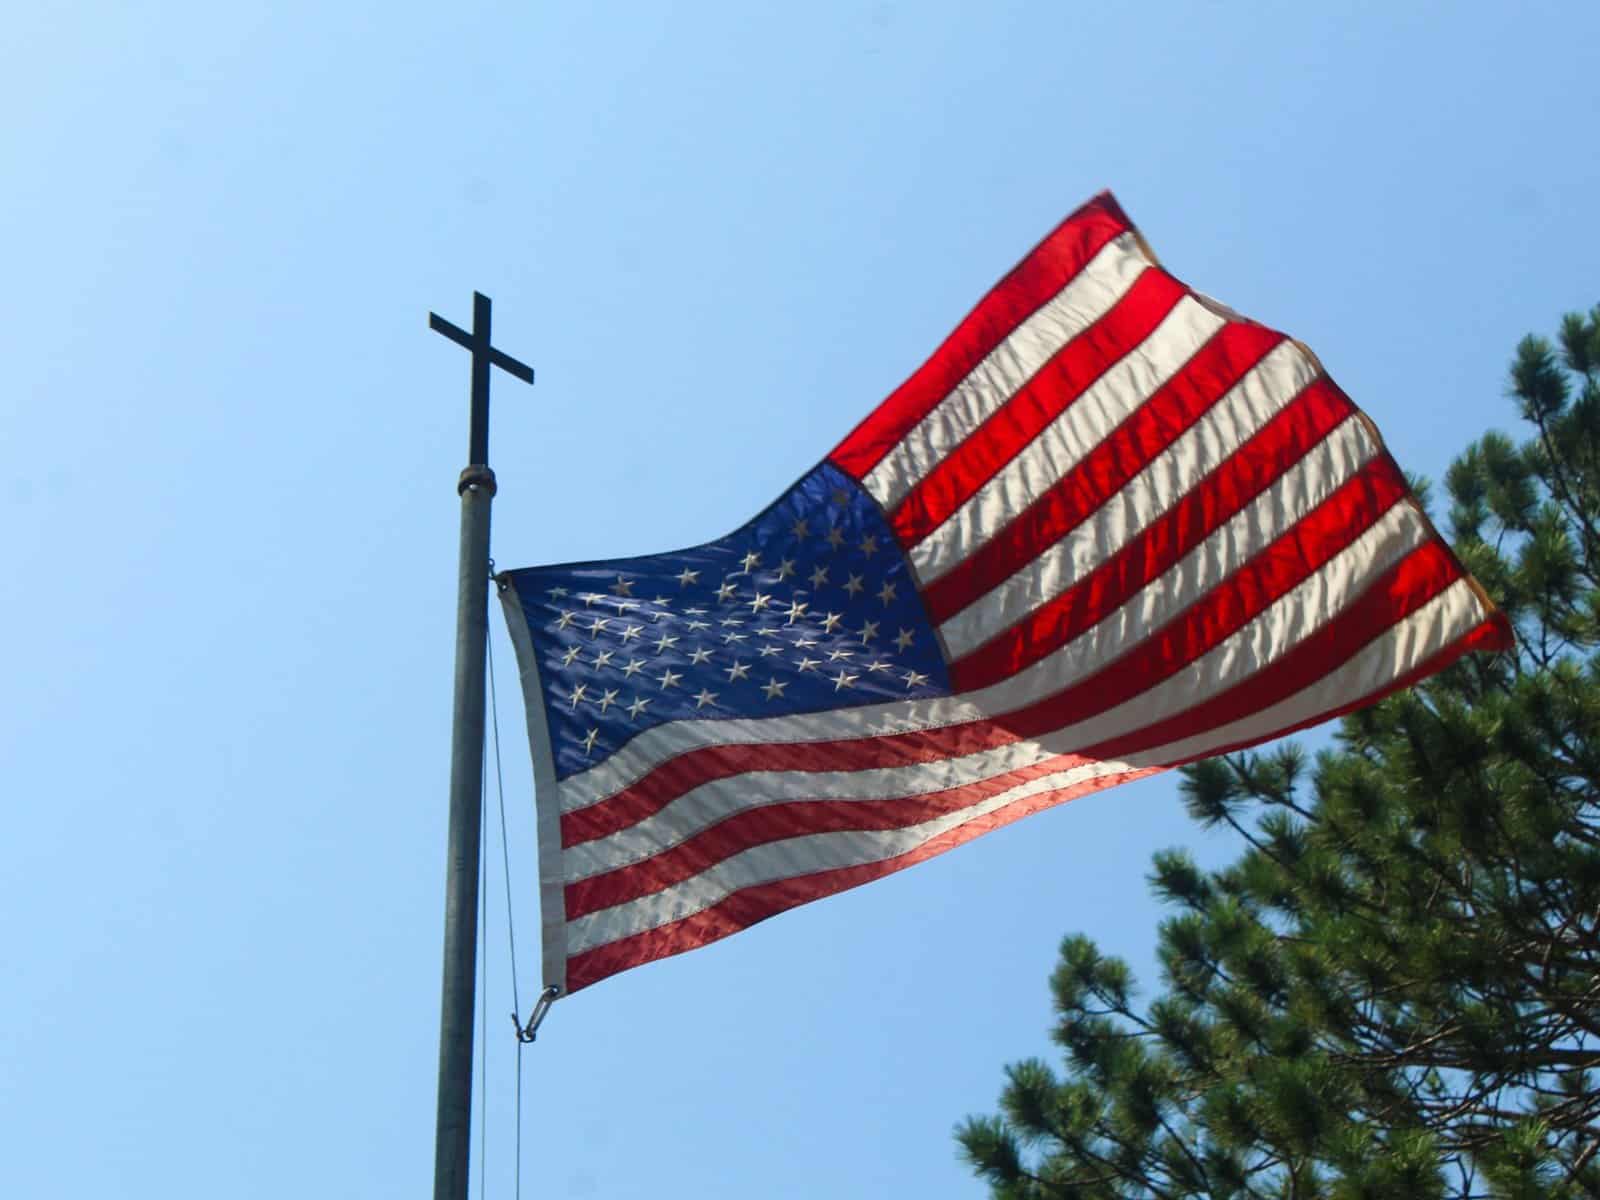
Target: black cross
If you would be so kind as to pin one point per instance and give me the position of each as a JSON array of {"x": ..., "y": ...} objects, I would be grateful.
[{"x": 484, "y": 356}]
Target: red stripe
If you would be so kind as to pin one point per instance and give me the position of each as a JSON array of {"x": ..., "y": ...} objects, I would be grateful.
[
  {"x": 759, "y": 825},
  {"x": 1276, "y": 446},
  {"x": 1048, "y": 268},
  {"x": 1281, "y": 566},
  {"x": 1005, "y": 432},
  {"x": 1304, "y": 549},
  {"x": 705, "y": 764},
  {"x": 1488, "y": 635},
  {"x": 1391, "y": 598},
  {"x": 1150, "y": 430},
  {"x": 744, "y": 908}
]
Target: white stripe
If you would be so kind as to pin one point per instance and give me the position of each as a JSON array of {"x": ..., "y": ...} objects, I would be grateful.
[
  {"x": 1087, "y": 297},
  {"x": 1404, "y": 646},
  {"x": 1148, "y": 495},
  {"x": 1264, "y": 640},
  {"x": 1060, "y": 445},
  {"x": 1409, "y": 643},
  {"x": 702, "y": 807},
  {"x": 655, "y": 745},
  {"x": 805, "y": 855},
  {"x": 1201, "y": 569},
  {"x": 1214, "y": 560}
]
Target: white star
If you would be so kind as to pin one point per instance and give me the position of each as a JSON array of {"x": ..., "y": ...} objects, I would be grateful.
[
  {"x": 589, "y": 740},
  {"x": 831, "y": 622},
  {"x": 796, "y": 610},
  {"x": 602, "y": 658},
  {"x": 729, "y": 638},
  {"x": 637, "y": 707},
  {"x": 622, "y": 587},
  {"x": 844, "y": 681},
  {"x": 704, "y": 698},
  {"x": 556, "y": 593},
  {"x": 915, "y": 679},
  {"x": 589, "y": 598},
  {"x": 835, "y": 538},
  {"x": 623, "y": 606},
  {"x": 578, "y": 693},
  {"x": 670, "y": 678},
  {"x": 736, "y": 672},
  {"x": 572, "y": 653},
  {"x": 751, "y": 561},
  {"x": 761, "y": 601},
  {"x": 853, "y": 584},
  {"x": 698, "y": 657},
  {"x": 769, "y": 633},
  {"x": 869, "y": 630},
  {"x": 800, "y": 528},
  {"x": 836, "y": 655},
  {"x": 904, "y": 639},
  {"x": 665, "y": 643},
  {"x": 728, "y": 622},
  {"x": 802, "y": 643},
  {"x": 880, "y": 665},
  {"x": 869, "y": 546},
  {"x": 886, "y": 592},
  {"x": 693, "y": 625},
  {"x": 727, "y": 592},
  {"x": 597, "y": 625},
  {"x": 769, "y": 651},
  {"x": 785, "y": 569},
  {"x": 686, "y": 577},
  {"x": 566, "y": 619},
  {"x": 662, "y": 600},
  {"x": 607, "y": 699},
  {"x": 695, "y": 612},
  {"x": 805, "y": 664},
  {"x": 819, "y": 577},
  {"x": 774, "y": 689},
  {"x": 635, "y": 665},
  {"x": 629, "y": 632}
]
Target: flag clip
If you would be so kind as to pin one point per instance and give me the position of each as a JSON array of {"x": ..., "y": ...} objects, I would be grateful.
[{"x": 530, "y": 1031}]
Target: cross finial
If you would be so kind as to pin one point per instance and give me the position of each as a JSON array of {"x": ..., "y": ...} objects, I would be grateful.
[{"x": 484, "y": 356}]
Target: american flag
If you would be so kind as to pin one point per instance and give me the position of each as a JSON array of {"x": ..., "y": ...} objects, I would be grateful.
[{"x": 1110, "y": 527}]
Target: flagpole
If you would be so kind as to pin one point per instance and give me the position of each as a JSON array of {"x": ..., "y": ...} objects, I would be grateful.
[{"x": 476, "y": 487}]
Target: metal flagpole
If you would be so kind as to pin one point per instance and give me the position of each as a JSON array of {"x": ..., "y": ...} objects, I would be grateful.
[{"x": 453, "y": 1133}]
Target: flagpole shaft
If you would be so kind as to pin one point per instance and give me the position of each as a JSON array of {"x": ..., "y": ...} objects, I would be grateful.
[{"x": 453, "y": 1134}]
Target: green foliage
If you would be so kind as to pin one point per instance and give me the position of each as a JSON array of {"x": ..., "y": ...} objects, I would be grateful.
[{"x": 1394, "y": 991}]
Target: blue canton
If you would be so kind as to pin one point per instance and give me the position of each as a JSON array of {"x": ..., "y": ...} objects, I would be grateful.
[{"x": 811, "y": 606}]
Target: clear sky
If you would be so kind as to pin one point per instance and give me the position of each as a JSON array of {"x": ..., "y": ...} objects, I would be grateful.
[{"x": 720, "y": 233}]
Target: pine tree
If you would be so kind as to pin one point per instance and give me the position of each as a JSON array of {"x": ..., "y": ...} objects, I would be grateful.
[{"x": 1394, "y": 991}]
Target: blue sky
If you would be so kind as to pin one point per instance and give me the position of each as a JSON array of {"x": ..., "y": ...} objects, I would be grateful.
[{"x": 720, "y": 233}]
